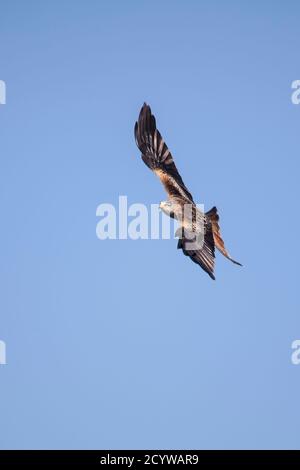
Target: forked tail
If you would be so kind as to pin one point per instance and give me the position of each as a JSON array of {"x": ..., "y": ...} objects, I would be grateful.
[{"x": 213, "y": 217}]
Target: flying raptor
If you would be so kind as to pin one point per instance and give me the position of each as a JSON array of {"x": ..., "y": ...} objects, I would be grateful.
[{"x": 198, "y": 232}]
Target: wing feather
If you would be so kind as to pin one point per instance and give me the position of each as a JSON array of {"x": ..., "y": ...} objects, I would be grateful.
[
  {"x": 157, "y": 156},
  {"x": 203, "y": 255}
]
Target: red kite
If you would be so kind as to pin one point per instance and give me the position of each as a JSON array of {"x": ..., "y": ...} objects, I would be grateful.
[{"x": 198, "y": 232}]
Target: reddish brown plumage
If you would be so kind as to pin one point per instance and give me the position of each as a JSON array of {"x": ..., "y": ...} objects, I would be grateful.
[{"x": 158, "y": 158}]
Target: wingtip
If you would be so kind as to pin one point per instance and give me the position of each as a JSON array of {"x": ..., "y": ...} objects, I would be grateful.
[
  {"x": 236, "y": 262},
  {"x": 145, "y": 107},
  {"x": 144, "y": 110}
]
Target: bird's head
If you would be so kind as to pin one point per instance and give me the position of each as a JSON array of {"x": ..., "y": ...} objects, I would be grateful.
[{"x": 167, "y": 208}]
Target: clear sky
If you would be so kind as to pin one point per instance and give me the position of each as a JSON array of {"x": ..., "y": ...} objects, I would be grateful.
[{"x": 128, "y": 344}]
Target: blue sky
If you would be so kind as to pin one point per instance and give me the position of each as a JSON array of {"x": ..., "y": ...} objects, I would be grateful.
[{"x": 128, "y": 344}]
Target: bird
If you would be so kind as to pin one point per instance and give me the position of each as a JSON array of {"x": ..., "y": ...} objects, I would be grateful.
[{"x": 198, "y": 232}]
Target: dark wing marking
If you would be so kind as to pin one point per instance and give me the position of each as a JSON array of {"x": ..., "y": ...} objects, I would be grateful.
[
  {"x": 203, "y": 251},
  {"x": 204, "y": 255},
  {"x": 157, "y": 156}
]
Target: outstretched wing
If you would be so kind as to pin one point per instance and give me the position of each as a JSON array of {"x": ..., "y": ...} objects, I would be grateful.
[
  {"x": 201, "y": 251},
  {"x": 157, "y": 156}
]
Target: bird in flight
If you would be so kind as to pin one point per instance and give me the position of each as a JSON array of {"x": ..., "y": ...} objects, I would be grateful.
[{"x": 198, "y": 232}]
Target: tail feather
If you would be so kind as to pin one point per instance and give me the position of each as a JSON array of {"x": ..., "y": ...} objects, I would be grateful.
[{"x": 213, "y": 217}]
